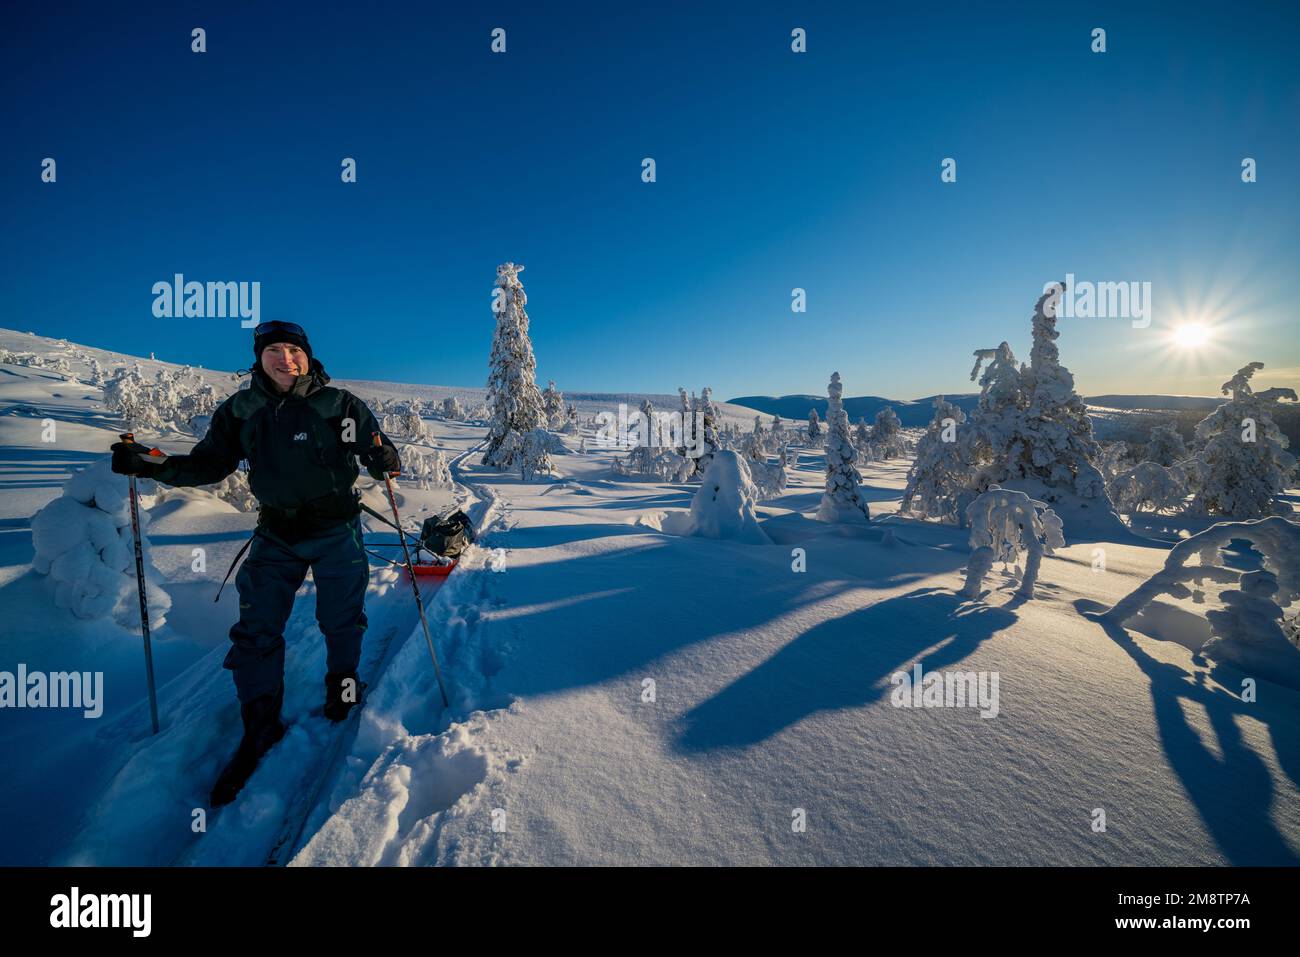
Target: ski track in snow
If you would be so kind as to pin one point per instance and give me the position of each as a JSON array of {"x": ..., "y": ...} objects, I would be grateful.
[{"x": 410, "y": 769}]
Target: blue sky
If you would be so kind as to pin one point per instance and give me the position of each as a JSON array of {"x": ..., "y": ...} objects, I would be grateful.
[{"x": 775, "y": 171}]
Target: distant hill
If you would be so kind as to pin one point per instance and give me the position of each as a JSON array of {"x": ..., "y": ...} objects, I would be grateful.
[
  {"x": 1176, "y": 403},
  {"x": 916, "y": 413}
]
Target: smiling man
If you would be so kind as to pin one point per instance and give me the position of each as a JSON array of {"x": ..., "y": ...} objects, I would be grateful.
[{"x": 301, "y": 438}]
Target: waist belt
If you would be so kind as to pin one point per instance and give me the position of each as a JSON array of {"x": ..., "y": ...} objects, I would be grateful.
[{"x": 323, "y": 512}]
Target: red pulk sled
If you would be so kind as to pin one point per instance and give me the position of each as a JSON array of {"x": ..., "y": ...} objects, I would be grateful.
[{"x": 438, "y": 548}]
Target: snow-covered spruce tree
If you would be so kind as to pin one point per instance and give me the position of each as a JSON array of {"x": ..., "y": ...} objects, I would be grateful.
[
  {"x": 712, "y": 440},
  {"x": 887, "y": 435},
  {"x": 553, "y": 404},
  {"x": 814, "y": 428},
  {"x": 1244, "y": 459},
  {"x": 688, "y": 425},
  {"x": 640, "y": 461},
  {"x": 570, "y": 426},
  {"x": 1166, "y": 447},
  {"x": 842, "y": 499},
  {"x": 941, "y": 482},
  {"x": 513, "y": 399},
  {"x": 1059, "y": 443},
  {"x": 1032, "y": 432},
  {"x": 451, "y": 408}
]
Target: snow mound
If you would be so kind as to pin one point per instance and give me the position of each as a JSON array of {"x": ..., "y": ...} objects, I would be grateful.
[
  {"x": 83, "y": 542},
  {"x": 724, "y": 505}
]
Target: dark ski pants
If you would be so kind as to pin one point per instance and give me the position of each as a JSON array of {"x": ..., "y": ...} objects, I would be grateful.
[{"x": 267, "y": 582}]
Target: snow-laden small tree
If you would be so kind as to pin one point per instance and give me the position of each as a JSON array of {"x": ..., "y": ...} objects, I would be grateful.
[
  {"x": 534, "y": 455},
  {"x": 842, "y": 500},
  {"x": 1113, "y": 458},
  {"x": 170, "y": 399},
  {"x": 1148, "y": 487},
  {"x": 513, "y": 398},
  {"x": 451, "y": 409},
  {"x": 570, "y": 421},
  {"x": 414, "y": 428},
  {"x": 711, "y": 419},
  {"x": 1003, "y": 523},
  {"x": 1166, "y": 447},
  {"x": 723, "y": 507},
  {"x": 426, "y": 467},
  {"x": 688, "y": 424},
  {"x": 887, "y": 435},
  {"x": 127, "y": 394},
  {"x": 1247, "y": 633},
  {"x": 941, "y": 481},
  {"x": 1244, "y": 462},
  {"x": 84, "y": 543},
  {"x": 814, "y": 428},
  {"x": 553, "y": 404},
  {"x": 235, "y": 491},
  {"x": 770, "y": 480},
  {"x": 862, "y": 436},
  {"x": 641, "y": 460}
]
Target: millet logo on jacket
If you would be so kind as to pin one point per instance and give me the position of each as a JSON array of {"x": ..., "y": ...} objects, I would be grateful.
[{"x": 300, "y": 437}]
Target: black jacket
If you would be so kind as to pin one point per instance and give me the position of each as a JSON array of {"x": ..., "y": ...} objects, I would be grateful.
[{"x": 301, "y": 453}]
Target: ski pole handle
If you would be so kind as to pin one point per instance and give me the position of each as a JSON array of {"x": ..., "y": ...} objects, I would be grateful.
[{"x": 378, "y": 443}]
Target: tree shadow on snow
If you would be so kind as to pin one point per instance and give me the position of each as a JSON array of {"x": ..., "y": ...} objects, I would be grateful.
[
  {"x": 1232, "y": 793},
  {"x": 842, "y": 663}
]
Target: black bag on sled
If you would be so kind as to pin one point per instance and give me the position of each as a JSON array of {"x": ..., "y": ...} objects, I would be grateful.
[{"x": 447, "y": 535}]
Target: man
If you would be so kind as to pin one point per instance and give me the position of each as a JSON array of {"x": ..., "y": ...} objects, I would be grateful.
[{"x": 301, "y": 439}]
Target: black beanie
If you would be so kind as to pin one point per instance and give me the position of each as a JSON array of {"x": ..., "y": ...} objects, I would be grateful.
[{"x": 280, "y": 333}]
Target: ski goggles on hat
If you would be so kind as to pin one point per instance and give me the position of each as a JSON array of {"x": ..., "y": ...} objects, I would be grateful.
[{"x": 275, "y": 325}]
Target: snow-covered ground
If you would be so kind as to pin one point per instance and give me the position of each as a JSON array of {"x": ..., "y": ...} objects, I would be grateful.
[{"x": 622, "y": 694}]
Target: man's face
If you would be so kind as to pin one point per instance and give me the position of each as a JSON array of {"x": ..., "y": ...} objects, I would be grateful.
[{"x": 284, "y": 362}]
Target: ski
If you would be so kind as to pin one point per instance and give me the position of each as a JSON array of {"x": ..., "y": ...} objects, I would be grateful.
[{"x": 305, "y": 799}]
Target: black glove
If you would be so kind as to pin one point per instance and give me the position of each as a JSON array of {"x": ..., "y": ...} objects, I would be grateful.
[
  {"x": 132, "y": 458},
  {"x": 381, "y": 460}
]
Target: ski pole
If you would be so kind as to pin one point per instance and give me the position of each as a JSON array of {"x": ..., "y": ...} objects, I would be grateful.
[
  {"x": 129, "y": 437},
  {"x": 410, "y": 571}
]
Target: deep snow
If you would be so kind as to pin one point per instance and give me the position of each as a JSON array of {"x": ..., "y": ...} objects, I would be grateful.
[{"x": 771, "y": 688}]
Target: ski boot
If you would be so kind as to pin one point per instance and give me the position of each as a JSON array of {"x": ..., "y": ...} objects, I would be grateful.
[
  {"x": 262, "y": 729},
  {"x": 340, "y": 695}
]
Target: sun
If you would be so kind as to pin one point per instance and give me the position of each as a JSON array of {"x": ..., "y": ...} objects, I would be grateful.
[{"x": 1191, "y": 335}]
